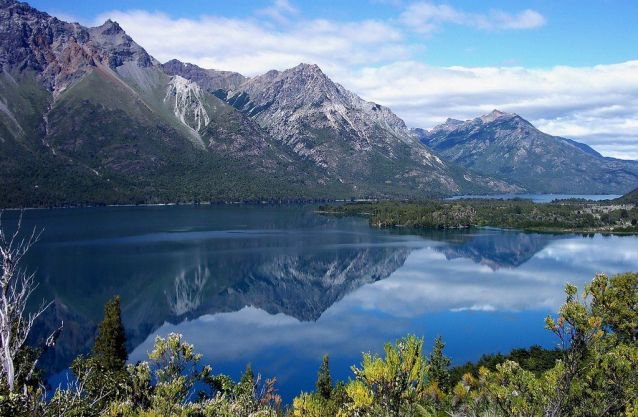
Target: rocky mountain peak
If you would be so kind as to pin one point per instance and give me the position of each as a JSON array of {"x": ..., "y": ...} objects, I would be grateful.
[
  {"x": 507, "y": 146},
  {"x": 493, "y": 115},
  {"x": 110, "y": 27},
  {"x": 307, "y": 69},
  {"x": 119, "y": 47},
  {"x": 308, "y": 80},
  {"x": 62, "y": 52}
]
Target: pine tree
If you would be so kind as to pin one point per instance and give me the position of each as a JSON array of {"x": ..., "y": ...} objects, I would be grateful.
[
  {"x": 110, "y": 345},
  {"x": 439, "y": 365},
  {"x": 248, "y": 377},
  {"x": 324, "y": 381}
]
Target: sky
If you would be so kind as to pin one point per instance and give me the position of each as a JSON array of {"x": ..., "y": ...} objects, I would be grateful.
[{"x": 569, "y": 66}]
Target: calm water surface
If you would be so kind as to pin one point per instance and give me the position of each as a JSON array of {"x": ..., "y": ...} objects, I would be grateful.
[
  {"x": 539, "y": 198},
  {"x": 279, "y": 287}
]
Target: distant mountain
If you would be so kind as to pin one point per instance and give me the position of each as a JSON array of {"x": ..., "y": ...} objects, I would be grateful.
[
  {"x": 212, "y": 80},
  {"x": 506, "y": 146},
  {"x": 499, "y": 248}
]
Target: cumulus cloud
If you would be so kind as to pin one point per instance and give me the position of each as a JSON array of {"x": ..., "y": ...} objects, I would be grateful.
[
  {"x": 377, "y": 60},
  {"x": 426, "y": 17}
]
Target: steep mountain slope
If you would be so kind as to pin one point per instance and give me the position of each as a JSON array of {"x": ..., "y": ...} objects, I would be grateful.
[
  {"x": 86, "y": 115},
  {"x": 364, "y": 145},
  {"x": 508, "y": 147},
  {"x": 629, "y": 198}
]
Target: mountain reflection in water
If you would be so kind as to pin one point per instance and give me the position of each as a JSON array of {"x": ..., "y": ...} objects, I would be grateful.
[{"x": 279, "y": 287}]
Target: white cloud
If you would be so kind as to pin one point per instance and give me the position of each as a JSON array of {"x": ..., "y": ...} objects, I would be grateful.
[
  {"x": 280, "y": 11},
  {"x": 253, "y": 46},
  {"x": 426, "y": 17}
]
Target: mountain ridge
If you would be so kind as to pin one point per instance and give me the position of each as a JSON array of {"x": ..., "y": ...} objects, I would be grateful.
[
  {"x": 507, "y": 146},
  {"x": 342, "y": 134},
  {"x": 88, "y": 116}
]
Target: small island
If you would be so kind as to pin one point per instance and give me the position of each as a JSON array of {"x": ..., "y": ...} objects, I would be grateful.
[{"x": 619, "y": 216}]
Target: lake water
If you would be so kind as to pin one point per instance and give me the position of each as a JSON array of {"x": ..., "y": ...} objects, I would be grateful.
[
  {"x": 539, "y": 198},
  {"x": 278, "y": 287}
]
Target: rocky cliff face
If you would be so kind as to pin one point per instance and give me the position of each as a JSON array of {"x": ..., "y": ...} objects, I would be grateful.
[
  {"x": 60, "y": 53},
  {"x": 507, "y": 146},
  {"x": 188, "y": 103},
  {"x": 213, "y": 81},
  {"x": 363, "y": 144}
]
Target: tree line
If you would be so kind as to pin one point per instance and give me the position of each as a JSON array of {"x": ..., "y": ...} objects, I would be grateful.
[{"x": 559, "y": 216}]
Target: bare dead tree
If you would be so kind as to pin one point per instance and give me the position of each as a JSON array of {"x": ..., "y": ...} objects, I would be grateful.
[{"x": 16, "y": 286}]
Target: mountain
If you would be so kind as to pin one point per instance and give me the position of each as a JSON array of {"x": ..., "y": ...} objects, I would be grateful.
[
  {"x": 506, "y": 146},
  {"x": 88, "y": 116},
  {"x": 212, "y": 80},
  {"x": 365, "y": 146},
  {"x": 499, "y": 248},
  {"x": 629, "y": 198}
]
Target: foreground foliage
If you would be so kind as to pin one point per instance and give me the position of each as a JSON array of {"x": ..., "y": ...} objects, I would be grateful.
[{"x": 596, "y": 373}]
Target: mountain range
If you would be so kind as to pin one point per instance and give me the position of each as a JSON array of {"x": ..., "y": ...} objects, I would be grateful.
[
  {"x": 506, "y": 146},
  {"x": 88, "y": 116}
]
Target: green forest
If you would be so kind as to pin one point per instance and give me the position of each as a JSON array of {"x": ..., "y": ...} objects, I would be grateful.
[{"x": 558, "y": 216}]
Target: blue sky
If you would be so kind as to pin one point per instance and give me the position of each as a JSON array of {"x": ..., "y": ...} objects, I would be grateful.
[
  {"x": 570, "y": 67},
  {"x": 575, "y": 33}
]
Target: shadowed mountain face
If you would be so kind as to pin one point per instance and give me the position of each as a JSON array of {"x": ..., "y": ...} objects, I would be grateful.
[{"x": 506, "y": 146}]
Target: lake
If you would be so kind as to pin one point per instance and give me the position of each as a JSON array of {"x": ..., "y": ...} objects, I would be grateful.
[
  {"x": 538, "y": 198},
  {"x": 278, "y": 287}
]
